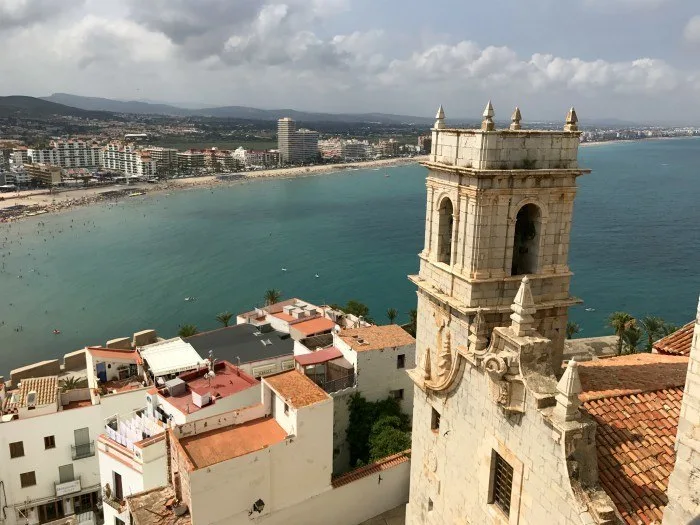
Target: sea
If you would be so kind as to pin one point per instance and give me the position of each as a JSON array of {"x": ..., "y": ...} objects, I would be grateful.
[{"x": 109, "y": 270}]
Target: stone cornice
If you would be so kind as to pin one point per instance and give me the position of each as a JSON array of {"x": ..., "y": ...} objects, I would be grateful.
[{"x": 481, "y": 173}]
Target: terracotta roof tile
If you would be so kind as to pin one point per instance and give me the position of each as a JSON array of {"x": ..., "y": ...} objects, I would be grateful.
[
  {"x": 376, "y": 337},
  {"x": 677, "y": 343},
  {"x": 375, "y": 468},
  {"x": 314, "y": 326},
  {"x": 636, "y": 402},
  {"x": 631, "y": 374},
  {"x": 296, "y": 389},
  {"x": 46, "y": 389}
]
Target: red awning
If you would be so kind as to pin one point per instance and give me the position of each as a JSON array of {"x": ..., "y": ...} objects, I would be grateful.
[{"x": 318, "y": 357}]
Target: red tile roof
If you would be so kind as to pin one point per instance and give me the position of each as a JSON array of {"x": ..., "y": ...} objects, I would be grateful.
[
  {"x": 314, "y": 326},
  {"x": 296, "y": 389},
  {"x": 376, "y": 337},
  {"x": 319, "y": 356},
  {"x": 636, "y": 402},
  {"x": 677, "y": 343},
  {"x": 375, "y": 468},
  {"x": 115, "y": 353}
]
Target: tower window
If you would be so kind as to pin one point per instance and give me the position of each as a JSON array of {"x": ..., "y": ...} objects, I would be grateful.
[
  {"x": 444, "y": 244},
  {"x": 435, "y": 421},
  {"x": 501, "y": 483},
  {"x": 526, "y": 243}
]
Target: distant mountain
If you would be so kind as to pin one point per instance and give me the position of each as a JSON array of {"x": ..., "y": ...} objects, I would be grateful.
[
  {"x": 117, "y": 106},
  {"x": 238, "y": 112},
  {"x": 31, "y": 107}
]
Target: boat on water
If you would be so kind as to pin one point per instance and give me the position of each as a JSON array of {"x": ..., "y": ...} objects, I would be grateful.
[
  {"x": 189, "y": 298},
  {"x": 56, "y": 331}
]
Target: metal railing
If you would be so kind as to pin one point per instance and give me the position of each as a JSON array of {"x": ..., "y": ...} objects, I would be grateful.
[
  {"x": 112, "y": 500},
  {"x": 337, "y": 384},
  {"x": 83, "y": 450}
]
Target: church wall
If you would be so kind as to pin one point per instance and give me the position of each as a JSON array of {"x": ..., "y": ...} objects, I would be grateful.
[{"x": 452, "y": 467}]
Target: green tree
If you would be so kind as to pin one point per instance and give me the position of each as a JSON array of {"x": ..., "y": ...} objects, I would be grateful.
[
  {"x": 632, "y": 336},
  {"x": 356, "y": 308},
  {"x": 668, "y": 329},
  {"x": 224, "y": 318},
  {"x": 391, "y": 313},
  {"x": 653, "y": 328},
  {"x": 272, "y": 296},
  {"x": 412, "y": 322},
  {"x": 187, "y": 330},
  {"x": 388, "y": 437},
  {"x": 572, "y": 329},
  {"x": 620, "y": 321}
]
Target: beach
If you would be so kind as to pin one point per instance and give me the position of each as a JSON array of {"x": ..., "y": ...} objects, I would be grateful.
[{"x": 15, "y": 206}]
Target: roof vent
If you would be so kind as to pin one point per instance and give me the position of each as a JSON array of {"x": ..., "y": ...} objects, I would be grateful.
[
  {"x": 266, "y": 342},
  {"x": 257, "y": 333}
]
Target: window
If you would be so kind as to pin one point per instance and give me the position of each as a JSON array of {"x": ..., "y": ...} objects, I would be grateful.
[
  {"x": 435, "y": 421},
  {"x": 401, "y": 361},
  {"x": 501, "y": 483},
  {"x": 526, "y": 243},
  {"x": 444, "y": 242},
  {"x": 118, "y": 490},
  {"x": 65, "y": 473},
  {"x": 49, "y": 442},
  {"x": 117, "y": 521},
  {"x": 286, "y": 408},
  {"x": 17, "y": 449},
  {"x": 397, "y": 394},
  {"x": 430, "y": 504},
  {"x": 27, "y": 479}
]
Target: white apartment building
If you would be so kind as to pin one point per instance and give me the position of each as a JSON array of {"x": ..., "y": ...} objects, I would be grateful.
[
  {"x": 129, "y": 160},
  {"x": 165, "y": 158},
  {"x": 20, "y": 156},
  {"x": 295, "y": 317},
  {"x": 68, "y": 154},
  {"x": 355, "y": 149},
  {"x": 269, "y": 462},
  {"x": 296, "y": 145},
  {"x": 191, "y": 160},
  {"x": 257, "y": 158},
  {"x": 48, "y": 466}
]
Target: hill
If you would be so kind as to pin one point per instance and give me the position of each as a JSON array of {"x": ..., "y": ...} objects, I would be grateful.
[
  {"x": 237, "y": 112},
  {"x": 31, "y": 107}
]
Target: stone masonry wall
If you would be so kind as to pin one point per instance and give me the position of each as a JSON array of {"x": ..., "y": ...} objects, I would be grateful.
[{"x": 451, "y": 467}]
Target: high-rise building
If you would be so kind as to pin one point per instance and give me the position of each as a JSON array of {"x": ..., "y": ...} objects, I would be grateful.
[
  {"x": 129, "y": 160},
  {"x": 296, "y": 145},
  {"x": 68, "y": 154},
  {"x": 43, "y": 174}
]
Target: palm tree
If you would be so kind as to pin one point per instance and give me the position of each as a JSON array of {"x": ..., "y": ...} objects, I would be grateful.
[
  {"x": 187, "y": 330},
  {"x": 391, "y": 313},
  {"x": 668, "y": 329},
  {"x": 224, "y": 318},
  {"x": 412, "y": 322},
  {"x": 572, "y": 329},
  {"x": 272, "y": 296},
  {"x": 620, "y": 321},
  {"x": 632, "y": 336},
  {"x": 71, "y": 383},
  {"x": 653, "y": 327}
]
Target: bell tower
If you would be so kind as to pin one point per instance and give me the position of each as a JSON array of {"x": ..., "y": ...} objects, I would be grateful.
[{"x": 499, "y": 208}]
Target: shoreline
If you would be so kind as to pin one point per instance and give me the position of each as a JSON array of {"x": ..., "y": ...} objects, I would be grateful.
[{"x": 44, "y": 203}]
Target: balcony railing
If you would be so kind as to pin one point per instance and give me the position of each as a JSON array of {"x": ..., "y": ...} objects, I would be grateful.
[
  {"x": 84, "y": 450},
  {"x": 337, "y": 384}
]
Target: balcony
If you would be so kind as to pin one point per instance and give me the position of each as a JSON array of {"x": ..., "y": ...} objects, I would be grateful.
[
  {"x": 84, "y": 450},
  {"x": 334, "y": 385},
  {"x": 108, "y": 498}
]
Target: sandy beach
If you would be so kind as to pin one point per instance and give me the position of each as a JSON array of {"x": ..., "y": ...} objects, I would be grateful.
[{"x": 37, "y": 202}]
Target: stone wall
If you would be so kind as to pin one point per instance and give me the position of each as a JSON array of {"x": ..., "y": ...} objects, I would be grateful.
[{"x": 684, "y": 483}]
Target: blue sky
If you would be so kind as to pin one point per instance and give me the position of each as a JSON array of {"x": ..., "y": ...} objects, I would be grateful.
[{"x": 627, "y": 59}]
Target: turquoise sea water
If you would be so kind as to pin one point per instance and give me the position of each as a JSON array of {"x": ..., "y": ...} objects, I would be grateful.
[{"x": 106, "y": 271}]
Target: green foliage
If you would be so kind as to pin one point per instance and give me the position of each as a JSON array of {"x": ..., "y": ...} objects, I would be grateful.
[
  {"x": 356, "y": 308},
  {"x": 572, "y": 329},
  {"x": 631, "y": 337},
  {"x": 620, "y": 321},
  {"x": 272, "y": 296},
  {"x": 224, "y": 318},
  {"x": 391, "y": 314},
  {"x": 387, "y": 437},
  {"x": 187, "y": 330},
  {"x": 412, "y": 322},
  {"x": 653, "y": 328},
  {"x": 71, "y": 383},
  {"x": 374, "y": 428},
  {"x": 630, "y": 331}
]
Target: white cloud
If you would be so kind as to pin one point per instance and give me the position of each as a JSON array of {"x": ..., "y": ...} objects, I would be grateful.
[{"x": 691, "y": 32}]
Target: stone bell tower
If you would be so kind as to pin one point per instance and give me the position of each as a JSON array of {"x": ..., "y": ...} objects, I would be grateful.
[{"x": 499, "y": 207}]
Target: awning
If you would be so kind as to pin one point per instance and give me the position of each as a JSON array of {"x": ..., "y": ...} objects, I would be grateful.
[{"x": 318, "y": 357}]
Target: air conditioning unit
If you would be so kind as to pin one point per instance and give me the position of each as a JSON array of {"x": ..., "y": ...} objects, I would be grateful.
[{"x": 176, "y": 387}]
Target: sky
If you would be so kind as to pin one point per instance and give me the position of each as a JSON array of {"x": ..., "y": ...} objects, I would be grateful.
[{"x": 636, "y": 60}]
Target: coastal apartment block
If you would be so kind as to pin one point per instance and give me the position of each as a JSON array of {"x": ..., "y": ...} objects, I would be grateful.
[
  {"x": 43, "y": 174},
  {"x": 129, "y": 160},
  {"x": 296, "y": 146},
  {"x": 68, "y": 154}
]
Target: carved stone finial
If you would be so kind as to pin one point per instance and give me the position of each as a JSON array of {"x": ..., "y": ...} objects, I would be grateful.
[
  {"x": 439, "y": 118},
  {"x": 478, "y": 333},
  {"x": 523, "y": 308},
  {"x": 568, "y": 389},
  {"x": 515, "y": 119},
  {"x": 571, "y": 120},
  {"x": 445, "y": 357},
  {"x": 487, "y": 123}
]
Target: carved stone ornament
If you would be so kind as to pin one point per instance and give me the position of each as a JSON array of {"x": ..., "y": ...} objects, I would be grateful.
[
  {"x": 441, "y": 375},
  {"x": 503, "y": 393},
  {"x": 431, "y": 462},
  {"x": 496, "y": 366}
]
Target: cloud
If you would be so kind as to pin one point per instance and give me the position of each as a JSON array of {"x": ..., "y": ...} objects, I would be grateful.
[
  {"x": 24, "y": 13},
  {"x": 691, "y": 32},
  {"x": 491, "y": 67}
]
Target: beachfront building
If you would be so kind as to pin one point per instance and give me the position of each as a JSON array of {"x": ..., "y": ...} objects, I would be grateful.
[
  {"x": 43, "y": 174},
  {"x": 191, "y": 160},
  {"x": 20, "y": 156},
  {"x": 68, "y": 153},
  {"x": 220, "y": 160},
  {"x": 49, "y": 419},
  {"x": 164, "y": 158},
  {"x": 295, "y": 317},
  {"x": 126, "y": 158},
  {"x": 424, "y": 144},
  {"x": 247, "y": 465},
  {"x": 296, "y": 146},
  {"x": 330, "y": 149},
  {"x": 252, "y": 158},
  {"x": 388, "y": 148},
  {"x": 132, "y": 450}
]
